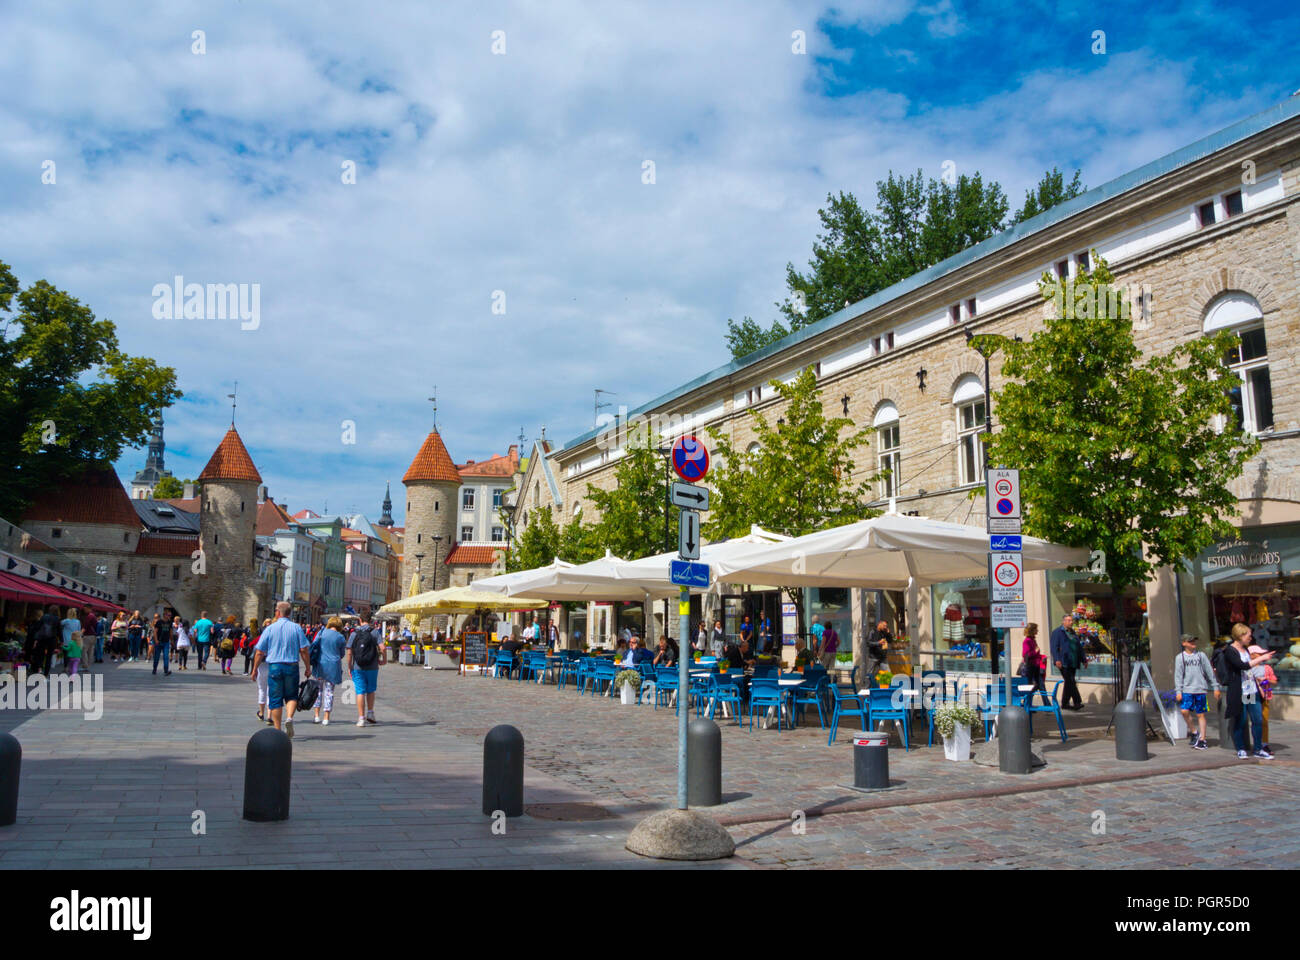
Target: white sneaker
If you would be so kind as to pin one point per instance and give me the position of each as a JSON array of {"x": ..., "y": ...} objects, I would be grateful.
[
  {"x": 1242, "y": 755},
  {"x": 288, "y": 729},
  {"x": 361, "y": 722},
  {"x": 315, "y": 719},
  {"x": 325, "y": 722}
]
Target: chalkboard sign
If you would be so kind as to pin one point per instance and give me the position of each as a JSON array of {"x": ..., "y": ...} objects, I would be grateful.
[{"x": 473, "y": 649}]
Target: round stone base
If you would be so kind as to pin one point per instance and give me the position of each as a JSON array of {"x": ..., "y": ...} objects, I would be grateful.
[{"x": 680, "y": 835}]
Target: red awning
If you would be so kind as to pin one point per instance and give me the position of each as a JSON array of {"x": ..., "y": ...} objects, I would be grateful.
[{"x": 30, "y": 591}]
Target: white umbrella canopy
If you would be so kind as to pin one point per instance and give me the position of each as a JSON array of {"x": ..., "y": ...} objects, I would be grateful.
[
  {"x": 507, "y": 582},
  {"x": 886, "y": 552},
  {"x": 597, "y": 580},
  {"x": 658, "y": 567}
]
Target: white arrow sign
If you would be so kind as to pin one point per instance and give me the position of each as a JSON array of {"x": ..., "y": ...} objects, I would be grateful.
[
  {"x": 690, "y": 496},
  {"x": 688, "y": 535}
]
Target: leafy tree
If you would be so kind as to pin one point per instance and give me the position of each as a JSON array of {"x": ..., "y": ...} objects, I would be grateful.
[
  {"x": 580, "y": 542},
  {"x": 748, "y": 337},
  {"x": 766, "y": 488},
  {"x": 1118, "y": 453},
  {"x": 632, "y": 513},
  {"x": 918, "y": 222},
  {"x": 169, "y": 488},
  {"x": 68, "y": 395},
  {"x": 1051, "y": 190},
  {"x": 538, "y": 545}
]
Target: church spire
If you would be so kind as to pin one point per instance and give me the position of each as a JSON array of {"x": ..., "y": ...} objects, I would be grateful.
[{"x": 386, "y": 520}]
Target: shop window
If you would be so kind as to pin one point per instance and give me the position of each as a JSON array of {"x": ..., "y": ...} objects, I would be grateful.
[
  {"x": 971, "y": 415},
  {"x": 889, "y": 452},
  {"x": 963, "y": 631},
  {"x": 1092, "y": 606},
  {"x": 1251, "y": 386},
  {"x": 1232, "y": 203}
]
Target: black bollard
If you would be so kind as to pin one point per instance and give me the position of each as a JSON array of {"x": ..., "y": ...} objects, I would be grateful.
[
  {"x": 1226, "y": 740},
  {"x": 1130, "y": 731},
  {"x": 703, "y": 763},
  {"x": 503, "y": 771},
  {"x": 1013, "y": 740},
  {"x": 267, "y": 764},
  {"x": 11, "y": 762},
  {"x": 871, "y": 761}
]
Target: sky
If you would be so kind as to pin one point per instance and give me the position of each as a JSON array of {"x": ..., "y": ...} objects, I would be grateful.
[{"x": 547, "y": 198}]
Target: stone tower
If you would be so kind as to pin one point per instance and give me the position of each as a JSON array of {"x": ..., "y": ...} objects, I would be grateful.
[
  {"x": 154, "y": 469},
  {"x": 432, "y": 485},
  {"x": 227, "y": 525}
]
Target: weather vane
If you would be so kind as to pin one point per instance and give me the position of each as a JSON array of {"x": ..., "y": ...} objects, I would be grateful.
[
  {"x": 232, "y": 403},
  {"x": 434, "y": 400}
]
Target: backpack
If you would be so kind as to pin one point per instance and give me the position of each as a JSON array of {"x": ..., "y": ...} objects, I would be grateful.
[
  {"x": 365, "y": 651},
  {"x": 314, "y": 655},
  {"x": 307, "y": 693},
  {"x": 1220, "y": 673}
]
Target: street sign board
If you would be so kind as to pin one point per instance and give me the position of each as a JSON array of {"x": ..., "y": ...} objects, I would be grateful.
[
  {"x": 1008, "y": 579},
  {"x": 1004, "y": 525},
  {"x": 688, "y": 535},
  {"x": 690, "y": 459},
  {"x": 690, "y": 496},
  {"x": 1004, "y": 543},
  {"x": 1003, "y": 493},
  {"x": 1007, "y": 615},
  {"x": 687, "y": 574}
]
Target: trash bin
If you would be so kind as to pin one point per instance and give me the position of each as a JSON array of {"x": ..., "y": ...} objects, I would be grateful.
[
  {"x": 404, "y": 658},
  {"x": 871, "y": 761}
]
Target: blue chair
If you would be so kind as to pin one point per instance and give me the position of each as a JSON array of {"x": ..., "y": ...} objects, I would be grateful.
[
  {"x": 649, "y": 675},
  {"x": 811, "y": 693},
  {"x": 534, "y": 666},
  {"x": 603, "y": 674},
  {"x": 994, "y": 701},
  {"x": 569, "y": 669},
  {"x": 723, "y": 690},
  {"x": 839, "y": 709},
  {"x": 881, "y": 706},
  {"x": 766, "y": 693},
  {"x": 1052, "y": 706},
  {"x": 586, "y": 667},
  {"x": 665, "y": 685},
  {"x": 765, "y": 672},
  {"x": 504, "y": 663}
]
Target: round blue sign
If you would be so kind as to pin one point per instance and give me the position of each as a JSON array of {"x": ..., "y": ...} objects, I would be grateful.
[
  {"x": 690, "y": 459},
  {"x": 1005, "y": 506}
]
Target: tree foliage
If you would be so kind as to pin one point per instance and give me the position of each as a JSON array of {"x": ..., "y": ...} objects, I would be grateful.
[
  {"x": 169, "y": 488},
  {"x": 1050, "y": 191},
  {"x": 538, "y": 545},
  {"x": 1118, "y": 452},
  {"x": 68, "y": 395},
  {"x": 631, "y": 520},
  {"x": 748, "y": 337}
]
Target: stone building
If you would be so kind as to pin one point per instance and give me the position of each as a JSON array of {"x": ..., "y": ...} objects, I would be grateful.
[
  {"x": 432, "y": 488},
  {"x": 228, "y": 529},
  {"x": 1206, "y": 238},
  {"x": 154, "y": 470}
]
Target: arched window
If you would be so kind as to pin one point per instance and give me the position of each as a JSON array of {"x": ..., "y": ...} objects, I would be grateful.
[
  {"x": 968, "y": 399},
  {"x": 889, "y": 449},
  {"x": 1252, "y": 387}
]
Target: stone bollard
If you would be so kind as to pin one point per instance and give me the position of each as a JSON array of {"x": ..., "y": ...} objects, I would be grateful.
[
  {"x": 1226, "y": 740},
  {"x": 703, "y": 763},
  {"x": 11, "y": 762},
  {"x": 1013, "y": 740},
  {"x": 267, "y": 765},
  {"x": 503, "y": 771},
  {"x": 1130, "y": 731}
]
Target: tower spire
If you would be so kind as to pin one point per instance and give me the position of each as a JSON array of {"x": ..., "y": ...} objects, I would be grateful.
[
  {"x": 386, "y": 519},
  {"x": 231, "y": 395},
  {"x": 434, "y": 400}
]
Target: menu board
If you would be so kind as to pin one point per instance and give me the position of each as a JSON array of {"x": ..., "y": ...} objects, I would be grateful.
[{"x": 473, "y": 649}]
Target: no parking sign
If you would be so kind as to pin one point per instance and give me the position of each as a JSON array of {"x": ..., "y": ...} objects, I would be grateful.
[{"x": 1003, "y": 494}]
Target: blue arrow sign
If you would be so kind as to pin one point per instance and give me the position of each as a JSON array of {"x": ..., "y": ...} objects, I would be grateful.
[
  {"x": 684, "y": 573},
  {"x": 1004, "y": 543}
]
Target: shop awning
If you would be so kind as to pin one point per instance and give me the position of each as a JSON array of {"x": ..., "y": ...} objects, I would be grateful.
[{"x": 26, "y": 590}]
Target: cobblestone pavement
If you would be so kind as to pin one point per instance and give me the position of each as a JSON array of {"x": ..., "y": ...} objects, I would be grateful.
[{"x": 123, "y": 791}]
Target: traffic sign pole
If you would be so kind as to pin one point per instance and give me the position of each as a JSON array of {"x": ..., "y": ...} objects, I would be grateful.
[
  {"x": 690, "y": 460},
  {"x": 683, "y": 690}
]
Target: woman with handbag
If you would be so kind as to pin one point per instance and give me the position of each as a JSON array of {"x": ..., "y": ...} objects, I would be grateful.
[
  {"x": 1033, "y": 665},
  {"x": 232, "y": 637},
  {"x": 332, "y": 644}
]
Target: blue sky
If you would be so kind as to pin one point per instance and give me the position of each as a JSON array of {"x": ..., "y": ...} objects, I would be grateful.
[{"x": 522, "y": 173}]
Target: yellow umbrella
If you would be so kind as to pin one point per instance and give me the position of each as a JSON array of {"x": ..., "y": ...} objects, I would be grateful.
[
  {"x": 460, "y": 600},
  {"x": 413, "y": 621}
]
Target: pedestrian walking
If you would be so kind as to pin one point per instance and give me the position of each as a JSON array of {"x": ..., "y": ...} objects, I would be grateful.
[
  {"x": 1241, "y": 692},
  {"x": 281, "y": 646},
  {"x": 717, "y": 640},
  {"x": 332, "y": 645},
  {"x": 117, "y": 644},
  {"x": 251, "y": 634},
  {"x": 162, "y": 645},
  {"x": 1033, "y": 664},
  {"x": 260, "y": 674},
  {"x": 878, "y": 641},
  {"x": 829, "y": 646},
  {"x": 72, "y": 640},
  {"x": 182, "y": 631},
  {"x": 364, "y": 658},
  {"x": 1193, "y": 680},
  {"x": 46, "y": 635},
  {"x": 94, "y": 636},
  {"x": 203, "y": 636},
  {"x": 232, "y": 635},
  {"x": 135, "y": 636},
  {"x": 1266, "y": 680},
  {"x": 1066, "y": 654}
]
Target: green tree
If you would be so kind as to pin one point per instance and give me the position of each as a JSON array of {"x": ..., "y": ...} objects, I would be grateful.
[
  {"x": 169, "y": 488},
  {"x": 797, "y": 480},
  {"x": 538, "y": 545},
  {"x": 1051, "y": 190},
  {"x": 917, "y": 223},
  {"x": 68, "y": 395},
  {"x": 1118, "y": 453},
  {"x": 748, "y": 337},
  {"x": 632, "y": 513},
  {"x": 580, "y": 542}
]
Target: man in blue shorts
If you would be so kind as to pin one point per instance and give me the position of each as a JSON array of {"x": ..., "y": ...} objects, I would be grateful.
[
  {"x": 282, "y": 645},
  {"x": 1193, "y": 679},
  {"x": 365, "y": 654}
]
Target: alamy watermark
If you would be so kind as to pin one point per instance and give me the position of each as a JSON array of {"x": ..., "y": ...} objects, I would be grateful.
[
  {"x": 619, "y": 431},
  {"x": 84, "y": 692},
  {"x": 179, "y": 300}
]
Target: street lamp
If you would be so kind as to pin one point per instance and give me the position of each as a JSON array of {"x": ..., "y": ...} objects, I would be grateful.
[{"x": 419, "y": 572}]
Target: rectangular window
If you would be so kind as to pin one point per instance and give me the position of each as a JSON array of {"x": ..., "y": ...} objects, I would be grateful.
[
  {"x": 121, "y": 571},
  {"x": 1205, "y": 213},
  {"x": 467, "y": 498},
  {"x": 496, "y": 499},
  {"x": 176, "y": 572},
  {"x": 1063, "y": 270},
  {"x": 970, "y": 424},
  {"x": 889, "y": 460},
  {"x": 466, "y": 533},
  {"x": 153, "y": 571},
  {"x": 1232, "y": 203},
  {"x": 498, "y": 534},
  {"x": 1081, "y": 261},
  {"x": 875, "y": 346},
  {"x": 954, "y": 315},
  {"x": 889, "y": 340},
  {"x": 970, "y": 307},
  {"x": 1252, "y": 388}
]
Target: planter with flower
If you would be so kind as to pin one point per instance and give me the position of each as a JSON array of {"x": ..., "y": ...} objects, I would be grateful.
[
  {"x": 629, "y": 686},
  {"x": 883, "y": 678},
  {"x": 802, "y": 660},
  {"x": 11, "y": 651},
  {"x": 953, "y": 721}
]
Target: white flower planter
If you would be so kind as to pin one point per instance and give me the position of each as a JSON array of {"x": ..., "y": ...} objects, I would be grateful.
[
  {"x": 957, "y": 747},
  {"x": 627, "y": 694}
]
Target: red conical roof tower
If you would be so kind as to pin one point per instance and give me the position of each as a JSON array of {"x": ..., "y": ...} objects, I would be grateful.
[
  {"x": 230, "y": 461},
  {"x": 432, "y": 464}
]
